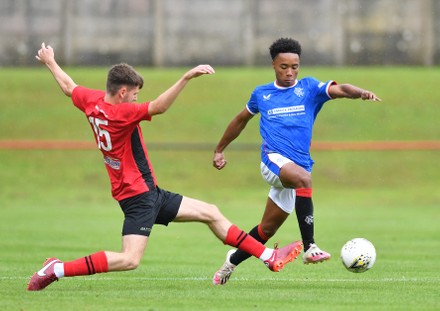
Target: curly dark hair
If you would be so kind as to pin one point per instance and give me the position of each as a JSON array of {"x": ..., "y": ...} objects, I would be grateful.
[
  {"x": 122, "y": 74},
  {"x": 284, "y": 45}
]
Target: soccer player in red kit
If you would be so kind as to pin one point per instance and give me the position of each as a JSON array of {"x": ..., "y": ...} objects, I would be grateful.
[{"x": 114, "y": 118}]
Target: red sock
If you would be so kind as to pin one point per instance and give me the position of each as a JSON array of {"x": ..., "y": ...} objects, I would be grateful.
[
  {"x": 304, "y": 192},
  {"x": 95, "y": 263},
  {"x": 240, "y": 239},
  {"x": 261, "y": 234}
]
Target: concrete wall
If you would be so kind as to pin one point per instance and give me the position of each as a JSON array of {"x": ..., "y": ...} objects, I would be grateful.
[{"x": 221, "y": 32}]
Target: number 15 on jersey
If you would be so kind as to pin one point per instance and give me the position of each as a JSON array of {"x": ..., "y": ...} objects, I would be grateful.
[{"x": 102, "y": 136}]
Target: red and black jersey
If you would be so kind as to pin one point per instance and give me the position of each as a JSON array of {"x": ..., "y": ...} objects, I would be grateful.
[{"x": 119, "y": 137}]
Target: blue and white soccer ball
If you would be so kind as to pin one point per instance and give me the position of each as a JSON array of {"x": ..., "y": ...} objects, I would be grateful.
[{"x": 358, "y": 255}]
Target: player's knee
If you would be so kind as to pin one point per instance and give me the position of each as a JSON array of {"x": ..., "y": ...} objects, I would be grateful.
[
  {"x": 298, "y": 179},
  {"x": 304, "y": 181},
  {"x": 211, "y": 213}
]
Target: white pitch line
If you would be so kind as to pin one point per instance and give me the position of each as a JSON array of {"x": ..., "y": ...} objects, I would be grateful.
[{"x": 296, "y": 280}]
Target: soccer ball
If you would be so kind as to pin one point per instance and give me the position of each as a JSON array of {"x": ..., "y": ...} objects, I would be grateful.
[{"x": 358, "y": 255}]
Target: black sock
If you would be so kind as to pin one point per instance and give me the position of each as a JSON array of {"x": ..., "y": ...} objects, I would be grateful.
[
  {"x": 240, "y": 256},
  {"x": 304, "y": 214}
]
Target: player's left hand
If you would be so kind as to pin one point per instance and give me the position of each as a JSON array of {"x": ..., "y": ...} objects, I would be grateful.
[
  {"x": 199, "y": 70},
  {"x": 367, "y": 95}
]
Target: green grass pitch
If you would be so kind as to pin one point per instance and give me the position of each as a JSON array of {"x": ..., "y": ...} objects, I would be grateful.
[{"x": 57, "y": 202}]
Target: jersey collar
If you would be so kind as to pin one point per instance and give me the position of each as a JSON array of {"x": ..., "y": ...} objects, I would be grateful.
[{"x": 284, "y": 87}]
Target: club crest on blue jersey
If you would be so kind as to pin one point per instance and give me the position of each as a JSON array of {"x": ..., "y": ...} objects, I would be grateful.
[{"x": 299, "y": 91}]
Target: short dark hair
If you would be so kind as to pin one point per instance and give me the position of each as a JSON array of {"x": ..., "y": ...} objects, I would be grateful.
[
  {"x": 285, "y": 45},
  {"x": 122, "y": 74}
]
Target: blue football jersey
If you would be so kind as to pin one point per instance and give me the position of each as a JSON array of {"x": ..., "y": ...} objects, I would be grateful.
[{"x": 287, "y": 117}]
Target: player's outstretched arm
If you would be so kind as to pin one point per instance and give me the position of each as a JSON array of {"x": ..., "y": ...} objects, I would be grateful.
[
  {"x": 351, "y": 91},
  {"x": 46, "y": 56},
  {"x": 166, "y": 99},
  {"x": 235, "y": 127}
]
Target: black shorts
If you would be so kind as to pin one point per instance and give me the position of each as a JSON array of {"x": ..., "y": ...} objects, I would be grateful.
[{"x": 144, "y": 210}]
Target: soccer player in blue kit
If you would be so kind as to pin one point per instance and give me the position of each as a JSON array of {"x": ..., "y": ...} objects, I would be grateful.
[{"x": 288, "y": 108}]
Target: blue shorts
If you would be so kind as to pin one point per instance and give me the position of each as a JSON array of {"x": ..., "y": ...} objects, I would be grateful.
[{"x": 144, "y": 210}]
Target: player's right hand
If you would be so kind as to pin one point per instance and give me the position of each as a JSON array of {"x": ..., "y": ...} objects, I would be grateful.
[
  {"x": 45, "y": 54},
  {"x": 219, "y": 160}
]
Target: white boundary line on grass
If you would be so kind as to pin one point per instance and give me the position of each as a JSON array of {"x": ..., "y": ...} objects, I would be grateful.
[{"x": 360, "y": 279}]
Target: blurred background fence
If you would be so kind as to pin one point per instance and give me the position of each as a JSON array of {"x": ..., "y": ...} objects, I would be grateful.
[{"x": 221, "y": 32}]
